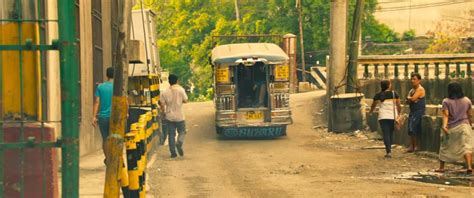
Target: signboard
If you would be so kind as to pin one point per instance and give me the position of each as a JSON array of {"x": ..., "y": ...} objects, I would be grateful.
[
  {"x": 282, "y": 72},
  {"x": 254, "y": 132},
  {"x": 222, "y": 75}
]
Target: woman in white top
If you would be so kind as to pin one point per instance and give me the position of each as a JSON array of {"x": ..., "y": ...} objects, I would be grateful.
[{"x": 389, "y": 106}]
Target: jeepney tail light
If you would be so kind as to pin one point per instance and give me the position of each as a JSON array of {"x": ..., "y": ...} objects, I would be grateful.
[{"x": 281, "y": 100}]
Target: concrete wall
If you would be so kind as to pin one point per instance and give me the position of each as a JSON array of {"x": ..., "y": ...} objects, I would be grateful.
[
  {"x": 53, "y": 82},
  {"x": 106, "y": 35},
  {"x": 89, "y": 137},
  {"x": 436, "y": 89},
  {"x": 430, "y": 135}
]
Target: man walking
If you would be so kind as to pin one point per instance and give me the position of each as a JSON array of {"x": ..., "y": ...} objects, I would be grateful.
[
  {"x": 103, "y": 105},
  {"x": 171, "y": 102}
]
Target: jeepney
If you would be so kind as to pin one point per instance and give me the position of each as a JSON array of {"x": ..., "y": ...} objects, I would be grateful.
[{"x": 251, "y": 90}]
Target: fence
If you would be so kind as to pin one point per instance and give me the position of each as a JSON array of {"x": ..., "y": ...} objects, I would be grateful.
[
  {"x": 30, "y": 140},
  {"x": 437, "y": 70}
]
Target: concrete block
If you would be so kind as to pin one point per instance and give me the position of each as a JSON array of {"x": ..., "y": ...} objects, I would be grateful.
[
  {"x": 430, "y": 134},
  {"x": 436, "y": 89},
  {"x": 429, "y": 139},
  {"x": 40, "y": 166},
  {"x": 349, "y": 112}
]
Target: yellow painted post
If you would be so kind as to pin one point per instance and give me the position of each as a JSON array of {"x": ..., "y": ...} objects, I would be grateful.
[
  {"x": 132, "y": 159},
  {"x": 149, "y": 132},
  {"x": 124, "y": 181},
  {"x": 156, "y": 125},
  {"x": 114, "y": 149},
  {"x": 115, "y": 141},
  {"x": 142, "y": 146},
  {"x": 30, "y": 94}
]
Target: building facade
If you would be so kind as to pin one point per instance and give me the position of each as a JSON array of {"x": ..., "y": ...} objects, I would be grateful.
[{"x": 97, "y": 32}]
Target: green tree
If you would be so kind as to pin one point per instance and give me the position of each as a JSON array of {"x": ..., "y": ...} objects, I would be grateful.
[
  {"x": 185, "y": 29},
  {"x": 447, "y": 38},
  {"x": 408, "y": 35}
]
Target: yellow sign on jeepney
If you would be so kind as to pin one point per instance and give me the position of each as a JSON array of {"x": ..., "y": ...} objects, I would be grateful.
[
  {"x": 222, "y": 75},
  {"x": 254, "y": 115},
  {"x": 282, "y": 72}
]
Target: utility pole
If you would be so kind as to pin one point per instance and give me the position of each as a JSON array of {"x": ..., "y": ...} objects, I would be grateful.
[
  {"x": 354, "y": 47},
  {"x": 237, "y": 12},
  {"x": 337, "y": 55},
  {"x": 299, "y": 5},
  {"x": 69, "y": 99},
  {"x": 114, "y": 144}
]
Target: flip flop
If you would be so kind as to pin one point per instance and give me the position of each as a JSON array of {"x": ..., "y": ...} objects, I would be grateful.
[
  {"x": 469, "y": 171},
  {"x": 440, "y": 170}
]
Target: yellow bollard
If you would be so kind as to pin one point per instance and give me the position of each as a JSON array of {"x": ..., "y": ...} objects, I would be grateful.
[
  {"x": 155, "y": 124},
  {"x": 124, "y": 180},
  {"x": 149, "y": 130},
  {"x": 132, "y": 160},
  {"x": 142, "y": 145}
]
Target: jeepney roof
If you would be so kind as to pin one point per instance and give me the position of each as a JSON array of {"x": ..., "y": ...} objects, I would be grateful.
[{"x": 232, "y": 52}]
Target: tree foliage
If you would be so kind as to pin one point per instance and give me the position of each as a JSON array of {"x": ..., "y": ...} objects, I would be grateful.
[
  {"x": 448, "y": 38},
  {"x": 409, "y": 35},
  {"x": 185, "y": 29}
]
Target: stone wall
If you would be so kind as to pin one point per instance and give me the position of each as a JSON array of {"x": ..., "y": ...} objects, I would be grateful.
[
  {"x": 430, "y": 136},
  {"x": 430, "y": 126},
  {"x": 436, "y": 89}
]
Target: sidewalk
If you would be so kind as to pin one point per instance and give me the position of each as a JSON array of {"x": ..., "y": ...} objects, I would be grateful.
[{"x": 92, "y": 175}]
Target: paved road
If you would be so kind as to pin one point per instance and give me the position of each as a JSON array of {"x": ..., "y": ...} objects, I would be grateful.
[{"x": 306, "y": 163}]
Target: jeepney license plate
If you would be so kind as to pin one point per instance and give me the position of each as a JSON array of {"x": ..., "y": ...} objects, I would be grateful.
[{"x": 254, "y": 115}]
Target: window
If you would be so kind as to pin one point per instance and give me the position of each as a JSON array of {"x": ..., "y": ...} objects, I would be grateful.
[{"x": 98, "y": 69}]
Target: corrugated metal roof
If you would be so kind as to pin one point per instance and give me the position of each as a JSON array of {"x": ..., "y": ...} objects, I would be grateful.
[{"x": 232, "y": 52}]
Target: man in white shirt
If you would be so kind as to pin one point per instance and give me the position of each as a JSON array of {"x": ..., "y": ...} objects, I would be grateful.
[{"x": 171, "y": 102}]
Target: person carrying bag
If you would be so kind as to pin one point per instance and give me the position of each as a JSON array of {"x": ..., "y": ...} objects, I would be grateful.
[
  {"x": 389, "y": 103},
  {"x": 399, "y": 118}
]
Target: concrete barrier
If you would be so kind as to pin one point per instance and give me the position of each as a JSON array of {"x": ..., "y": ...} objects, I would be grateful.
[
  {"x": 40, "y": 165},
  {"x": 429, "y": 138},
  {"x": 436, "y": 89}
]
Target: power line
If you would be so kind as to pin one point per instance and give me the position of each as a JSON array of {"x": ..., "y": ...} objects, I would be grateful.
[
  {"x": 421, "y": 6},
  {"x": 388, "y": 2},
  {"x": 456, "y": 17}
]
